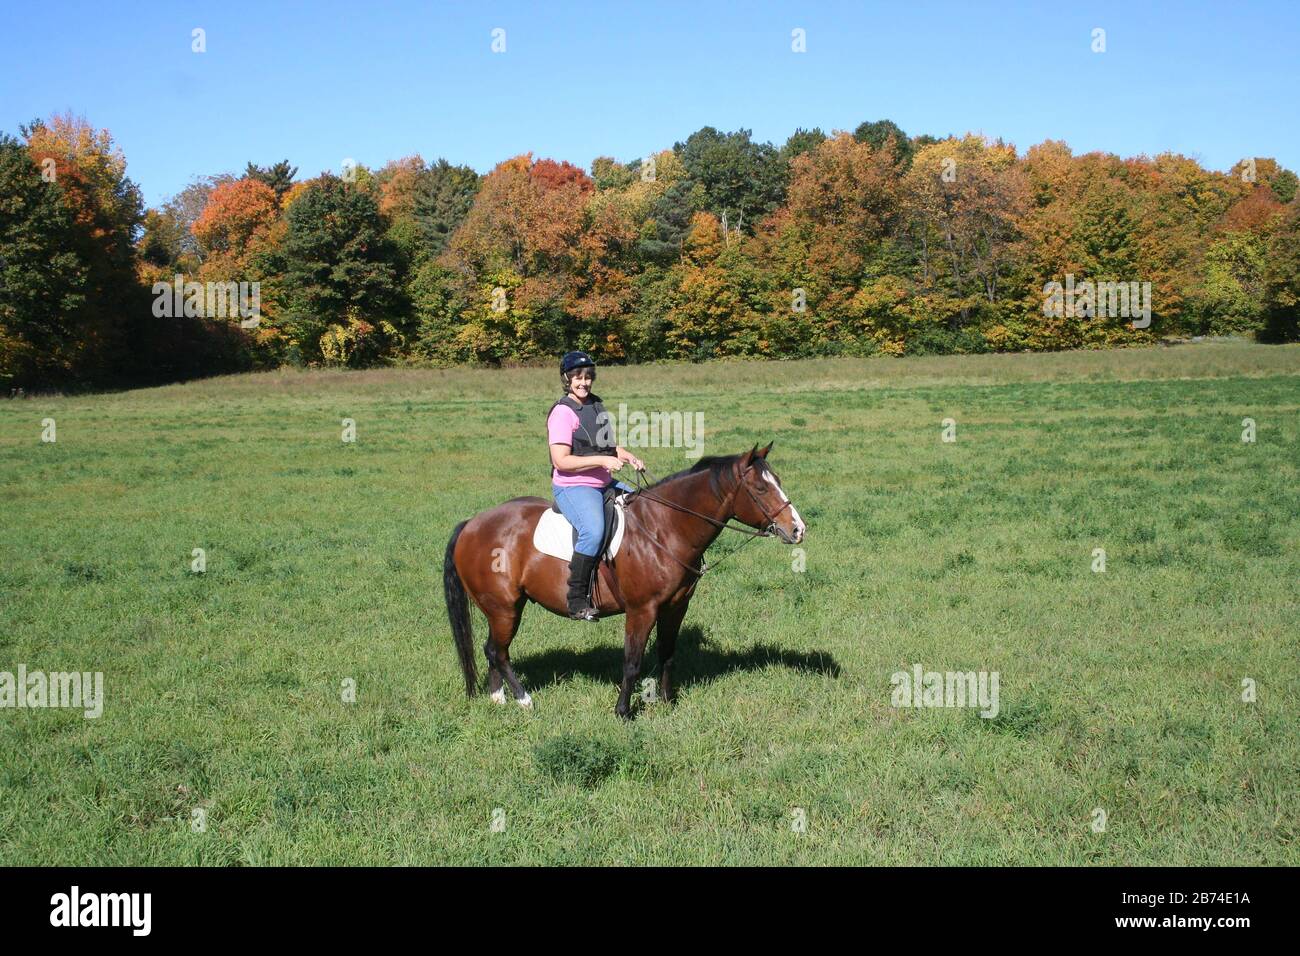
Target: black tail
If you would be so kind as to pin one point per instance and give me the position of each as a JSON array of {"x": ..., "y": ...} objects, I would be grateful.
[{"x": 462, "y": 628}]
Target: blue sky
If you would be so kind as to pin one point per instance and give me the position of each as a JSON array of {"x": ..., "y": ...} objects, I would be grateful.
[{"x": 374, "y": 81}]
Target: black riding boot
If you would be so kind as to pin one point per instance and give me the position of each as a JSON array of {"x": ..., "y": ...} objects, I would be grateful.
[{"x": 580, "y": 569}]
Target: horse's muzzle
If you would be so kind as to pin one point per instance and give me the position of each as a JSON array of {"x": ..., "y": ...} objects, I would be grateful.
[{"x": 784, "y": 535}]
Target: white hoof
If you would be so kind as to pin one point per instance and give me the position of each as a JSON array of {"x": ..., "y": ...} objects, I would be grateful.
[
  {"x": 498, "y": 696},
  {"x": 525, "y": 701}
]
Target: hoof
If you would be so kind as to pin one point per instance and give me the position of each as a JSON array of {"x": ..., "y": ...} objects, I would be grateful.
[
  {"x": 525, "y": 702},
  {"x": 499, "y": 696}
]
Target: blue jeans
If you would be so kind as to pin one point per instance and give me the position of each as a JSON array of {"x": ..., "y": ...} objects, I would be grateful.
[{"x": 583, "y": 506}]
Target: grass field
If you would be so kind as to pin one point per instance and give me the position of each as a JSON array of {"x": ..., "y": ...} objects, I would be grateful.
[{"x": 1120, "y": 691}]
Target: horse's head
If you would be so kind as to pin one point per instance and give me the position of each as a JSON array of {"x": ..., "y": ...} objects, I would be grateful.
[{"x": 760, "y": 501}]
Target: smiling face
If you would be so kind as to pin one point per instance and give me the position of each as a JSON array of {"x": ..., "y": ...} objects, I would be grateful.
[{"x": 580, "y": 382}]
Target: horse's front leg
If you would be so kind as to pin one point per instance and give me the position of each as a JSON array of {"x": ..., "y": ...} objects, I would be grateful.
[
  {"x": 669, "y": 624},
  {"x": 637, "y": 632}
]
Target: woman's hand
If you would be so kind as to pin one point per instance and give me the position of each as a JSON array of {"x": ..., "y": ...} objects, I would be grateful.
[
  {"x": 612, "y": 463},
  {"x": 631, "y": 459}
]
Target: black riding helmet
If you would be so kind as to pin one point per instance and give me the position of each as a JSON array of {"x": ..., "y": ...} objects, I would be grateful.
[{"x": 573, "y": 361}]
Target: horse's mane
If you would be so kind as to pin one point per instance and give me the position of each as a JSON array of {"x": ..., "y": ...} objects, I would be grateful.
[{"x": 716, "y": 465}]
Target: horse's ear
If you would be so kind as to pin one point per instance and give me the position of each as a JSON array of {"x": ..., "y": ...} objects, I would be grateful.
[
  {"x": 746, "y": 460},
  {"x": 763, "y": 452}
]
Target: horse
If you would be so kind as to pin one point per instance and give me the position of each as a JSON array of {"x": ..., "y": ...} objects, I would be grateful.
[{"x": 670, "y": 524}]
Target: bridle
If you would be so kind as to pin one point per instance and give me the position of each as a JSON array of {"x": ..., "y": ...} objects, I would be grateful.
[
  {"x": 644, "y": 480},
  {"x": 771, "y": 528}
]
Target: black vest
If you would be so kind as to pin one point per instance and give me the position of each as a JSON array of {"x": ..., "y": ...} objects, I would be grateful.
[{"x": 595, "y": 425}]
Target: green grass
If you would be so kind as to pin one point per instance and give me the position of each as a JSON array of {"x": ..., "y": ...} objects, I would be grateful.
[{"x": 1119, "y": 691}]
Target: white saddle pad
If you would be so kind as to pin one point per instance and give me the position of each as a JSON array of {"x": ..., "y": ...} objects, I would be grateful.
[{"x": 554, "y": 535}]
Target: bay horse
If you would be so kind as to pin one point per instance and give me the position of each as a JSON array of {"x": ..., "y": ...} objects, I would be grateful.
[{"x": 670, "y": 524}]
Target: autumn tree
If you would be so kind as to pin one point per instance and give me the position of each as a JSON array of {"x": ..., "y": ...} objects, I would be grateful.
[
  {"x": 236, "y": 216},
  {"x": 843, "y": 201},
  {"x": 179, "y": 214},
  {"x": 717, "y": 304},
  {"x": 239, "y": 234},
  {"x": 965, "y": 200},
  {"x": 86, "y": 166},
  {"x": 514, "y": 259}
]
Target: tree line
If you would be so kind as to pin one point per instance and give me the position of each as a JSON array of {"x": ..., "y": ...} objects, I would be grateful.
[{"x": 870, "y": 242}]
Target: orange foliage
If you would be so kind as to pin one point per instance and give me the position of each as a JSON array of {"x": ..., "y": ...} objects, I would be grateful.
[
  {"x": 236, "y": 214},
  {"x": 549, "y": 175}
]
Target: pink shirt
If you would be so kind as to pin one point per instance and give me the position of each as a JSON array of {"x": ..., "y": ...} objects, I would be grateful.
[{"x": 560, "y": 427}]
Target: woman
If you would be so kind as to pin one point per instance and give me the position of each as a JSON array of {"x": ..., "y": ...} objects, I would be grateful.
[{"x": 583, "y": 455}]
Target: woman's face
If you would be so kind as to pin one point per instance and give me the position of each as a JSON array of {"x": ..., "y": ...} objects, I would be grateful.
[{"x": 580, "y": 383}]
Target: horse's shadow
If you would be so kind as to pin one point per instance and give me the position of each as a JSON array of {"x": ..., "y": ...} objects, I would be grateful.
[{"x": 697, "y": 661}]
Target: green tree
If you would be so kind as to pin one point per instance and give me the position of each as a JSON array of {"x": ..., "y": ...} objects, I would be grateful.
[
  {"x": 881, "y": 133},
  {"x": 1230, "y": 297},
  {"x": 436, "y": 309},
  {"x": 443, "y": 198},
  {"x": 1282, "y": 280},
  {"x": 342, "y": 298},
  {"x": 608, "y": 173},
  {"x": 43, "y": 278},
  {"x": 279, "y": 177},
  {"x": 802, "y": 141},
  {"x": 669, "y": 220},
  {"x": 741, "y": 178},
  {"x": 162, "y": 242}
]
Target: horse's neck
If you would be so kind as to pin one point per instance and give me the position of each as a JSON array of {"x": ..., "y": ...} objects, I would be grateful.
[{"x": 694, "y": 492}]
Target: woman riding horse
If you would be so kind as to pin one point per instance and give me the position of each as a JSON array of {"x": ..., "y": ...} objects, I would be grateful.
[
  {"x": 583, "y": 456},
  {"x": 491, "y": 562}
]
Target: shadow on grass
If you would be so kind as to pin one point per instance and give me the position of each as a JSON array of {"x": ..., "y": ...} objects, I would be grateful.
[{"x": 697, "y": 662}]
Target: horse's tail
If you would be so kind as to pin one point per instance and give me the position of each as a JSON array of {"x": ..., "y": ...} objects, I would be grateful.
[{"x": 462, "y": 628}]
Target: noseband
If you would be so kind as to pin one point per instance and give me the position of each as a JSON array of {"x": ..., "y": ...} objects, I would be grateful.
[{"x": 771, "y": 527}]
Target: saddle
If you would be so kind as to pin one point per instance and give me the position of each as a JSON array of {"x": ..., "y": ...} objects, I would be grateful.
[{"x": 556, "y": 537}]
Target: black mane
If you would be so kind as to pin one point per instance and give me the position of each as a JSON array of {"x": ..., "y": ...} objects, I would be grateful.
[{"x": 717, "y": 466}]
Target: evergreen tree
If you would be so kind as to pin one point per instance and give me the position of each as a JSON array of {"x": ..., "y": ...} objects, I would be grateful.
[
  {"x": 443, "y": 199},
  {"x": 279, "y": 177}
]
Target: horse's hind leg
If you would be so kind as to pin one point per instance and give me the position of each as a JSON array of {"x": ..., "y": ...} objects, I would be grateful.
[
  {"x": 495, "y": 689},
  {"x": 502, "y": 626}
]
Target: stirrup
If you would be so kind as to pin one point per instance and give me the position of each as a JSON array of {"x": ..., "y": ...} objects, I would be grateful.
[{"x": 587, "y": 613}]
